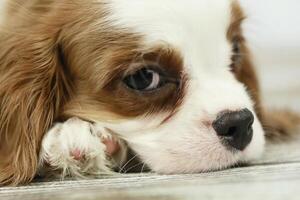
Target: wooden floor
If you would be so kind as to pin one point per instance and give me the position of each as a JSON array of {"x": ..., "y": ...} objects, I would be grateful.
[{"x": 276, "y": 176}]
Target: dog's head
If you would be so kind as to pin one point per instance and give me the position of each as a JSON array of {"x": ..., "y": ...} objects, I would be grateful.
[{"x": 173, "y": 79}]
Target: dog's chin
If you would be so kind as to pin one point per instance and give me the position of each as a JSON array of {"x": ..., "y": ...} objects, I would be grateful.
[
  {"x": 184, "y": 163},
  {"x": 189, "y": 153},
  {"x": 187, "y": 165}
]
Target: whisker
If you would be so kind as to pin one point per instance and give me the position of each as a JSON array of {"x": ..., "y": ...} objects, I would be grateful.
[
  {"x": 127, "y": 163},
  {"x": 143, "y": 167},
  {"x": 115, "y": 163},
  {"x": 133, "y": 167}
]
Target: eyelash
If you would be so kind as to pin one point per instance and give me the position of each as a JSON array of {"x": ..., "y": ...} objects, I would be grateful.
[{"x": 236, "y": 56}]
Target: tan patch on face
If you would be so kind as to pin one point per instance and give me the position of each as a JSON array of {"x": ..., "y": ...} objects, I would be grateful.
[
  {"x": 242, "y": 65},
  {"x": 100, "y": 91},
  {"x": 281, "y": 125}
]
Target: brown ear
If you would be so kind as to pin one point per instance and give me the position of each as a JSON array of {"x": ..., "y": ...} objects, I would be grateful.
[
  {"x": 281, "y": 125},
  {"x": 33, "y": 89}
]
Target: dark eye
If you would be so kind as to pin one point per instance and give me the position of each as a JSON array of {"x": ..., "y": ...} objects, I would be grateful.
[
  {"x": 236, "y": 55},
  {"x": 145, "y": 80},
  {"x": 236, "y": 47}
]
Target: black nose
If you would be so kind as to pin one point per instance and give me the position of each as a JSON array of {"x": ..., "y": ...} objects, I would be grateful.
[{"x": 235, "y": 128}]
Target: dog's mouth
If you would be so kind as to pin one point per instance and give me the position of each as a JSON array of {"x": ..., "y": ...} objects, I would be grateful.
[{"x": 134, "y": 164}]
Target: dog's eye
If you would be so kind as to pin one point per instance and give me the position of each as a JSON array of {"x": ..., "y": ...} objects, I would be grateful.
[
  {"x": 236, "y": 55},
  {"x": 145, "y": 79},
  {"x": 236, "y": 47}
]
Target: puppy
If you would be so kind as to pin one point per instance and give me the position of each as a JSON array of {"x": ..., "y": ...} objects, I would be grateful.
[{"x": 82, "y": 81}]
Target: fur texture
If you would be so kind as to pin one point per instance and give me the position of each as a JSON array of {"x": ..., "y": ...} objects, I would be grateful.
[{"x": 66, "y": 59}]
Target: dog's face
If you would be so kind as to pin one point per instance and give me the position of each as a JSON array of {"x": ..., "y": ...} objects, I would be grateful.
[
  {"x": 171, "y": 78},
  {"x": 168, "y": 79}
]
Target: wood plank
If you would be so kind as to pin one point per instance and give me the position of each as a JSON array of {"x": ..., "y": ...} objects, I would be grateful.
[{"x": 268, "y": 181}]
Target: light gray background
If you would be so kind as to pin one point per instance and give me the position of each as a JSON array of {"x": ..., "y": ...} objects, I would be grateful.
[{"x": 273, "y": 31}]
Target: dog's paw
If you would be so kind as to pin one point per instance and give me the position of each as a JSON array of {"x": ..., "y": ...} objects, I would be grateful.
[{"x": 76, "y": 148}]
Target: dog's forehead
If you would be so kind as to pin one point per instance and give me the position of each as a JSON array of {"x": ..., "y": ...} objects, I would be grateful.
[{"x": 195, "y": 27}]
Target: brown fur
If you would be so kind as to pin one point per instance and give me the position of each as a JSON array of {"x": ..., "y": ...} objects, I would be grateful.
[
  {"x": 121, "y": 62},
  {"x": 278, "y": 125},
  {"x": 242, "y": 65},
  {"x": 51, "y": 65},
  {"x": 52, "y": 62},
  {"x": 33, "y": 89},
  {"x": 281, "y": 125}
]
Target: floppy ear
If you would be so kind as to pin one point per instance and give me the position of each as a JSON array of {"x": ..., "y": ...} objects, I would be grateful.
[
  {"x": 281, "y": 125},
  {"x": 33, "y": 89},
  {"x": 278, "y": 125}
]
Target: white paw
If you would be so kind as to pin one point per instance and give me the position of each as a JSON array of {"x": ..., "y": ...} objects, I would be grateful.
[{"x": 74, "y": 148}]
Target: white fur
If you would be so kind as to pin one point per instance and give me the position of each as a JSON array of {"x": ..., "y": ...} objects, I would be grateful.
[
  {"x": 197, "y": 28},
  {"x": 75, "y": 134}
]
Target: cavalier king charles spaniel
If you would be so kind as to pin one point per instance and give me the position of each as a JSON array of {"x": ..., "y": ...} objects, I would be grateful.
[{"x": 85, "y": 82}]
